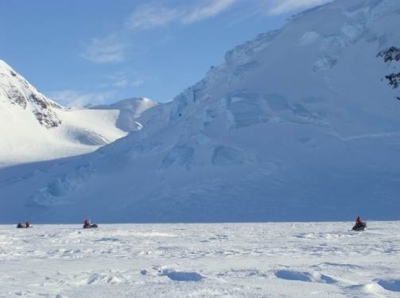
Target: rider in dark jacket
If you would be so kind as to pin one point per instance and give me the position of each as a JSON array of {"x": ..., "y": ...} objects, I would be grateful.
[
  {"x": 360, "y": 224},
  {"x": 86, "y": 223}
]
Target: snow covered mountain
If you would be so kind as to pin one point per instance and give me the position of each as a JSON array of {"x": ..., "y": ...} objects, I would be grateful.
[
  {"x": 34, "y": 128},
  {"x": 297, "y": 124},
  {"x": 131, "y": 110}
]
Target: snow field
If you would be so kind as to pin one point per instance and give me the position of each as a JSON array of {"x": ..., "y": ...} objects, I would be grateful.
[{"x": 201, "y": 260}]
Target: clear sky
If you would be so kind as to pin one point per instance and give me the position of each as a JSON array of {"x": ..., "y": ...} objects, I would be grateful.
[{"x": 96, "y": 51}]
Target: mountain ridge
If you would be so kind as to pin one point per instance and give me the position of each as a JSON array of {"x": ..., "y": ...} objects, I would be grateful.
[
  {"x": 296, "y": 125},
  {"x": 19, "y": 92},
  {"x": 35, "y": 128}
]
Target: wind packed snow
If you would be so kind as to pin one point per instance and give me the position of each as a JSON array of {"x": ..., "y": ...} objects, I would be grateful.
[{"x": 201, "y": 260}]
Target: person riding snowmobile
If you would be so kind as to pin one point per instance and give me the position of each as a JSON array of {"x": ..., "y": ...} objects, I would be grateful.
[
  {"x": 360, "y": 224},
  {"x": 86, "y": 223}
]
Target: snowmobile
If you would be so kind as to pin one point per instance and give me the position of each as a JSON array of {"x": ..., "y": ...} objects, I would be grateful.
[
  {"x": 359, "y": 226},
  {"x": 90, "y": 226},
  {"x": 25, "y": 225}
]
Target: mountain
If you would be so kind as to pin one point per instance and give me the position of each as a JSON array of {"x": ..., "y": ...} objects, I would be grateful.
[
  {"x": 298, "y": 124},
  {"x": 34, "y": 128}
]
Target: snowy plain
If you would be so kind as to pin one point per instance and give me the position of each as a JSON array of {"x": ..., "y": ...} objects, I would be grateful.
[{"x": 324, "y": 259}]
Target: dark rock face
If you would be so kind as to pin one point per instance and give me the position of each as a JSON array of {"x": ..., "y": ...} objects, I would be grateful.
[{"x": 391, "y": 54}]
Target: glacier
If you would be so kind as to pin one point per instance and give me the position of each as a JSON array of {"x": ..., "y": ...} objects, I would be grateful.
[{"x": 298, "y": 124}]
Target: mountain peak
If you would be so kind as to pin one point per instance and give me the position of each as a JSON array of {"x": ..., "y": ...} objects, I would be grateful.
[
  {"x": 17, "y": 91},
  {"x": 35, "y": 128}
]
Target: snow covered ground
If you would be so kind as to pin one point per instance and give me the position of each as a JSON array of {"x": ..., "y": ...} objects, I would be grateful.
[{"x": 201, "y": 260}]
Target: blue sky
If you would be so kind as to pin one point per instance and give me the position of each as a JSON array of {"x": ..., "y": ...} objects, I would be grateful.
[{"x": 95, "y": 51}]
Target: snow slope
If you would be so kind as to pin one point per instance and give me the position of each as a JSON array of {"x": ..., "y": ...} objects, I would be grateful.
[
  {"x": 131, "y": 110},
  {"x": 201, "y": 260},
  {"x": 34, "y": 128},
  {"x": 297, "y": 124}
]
